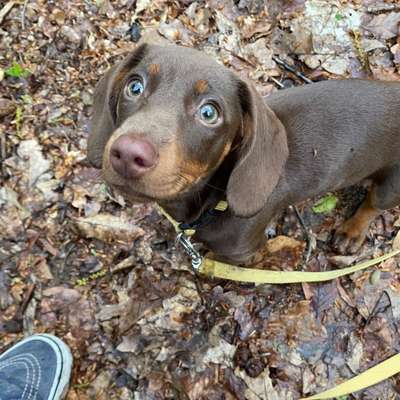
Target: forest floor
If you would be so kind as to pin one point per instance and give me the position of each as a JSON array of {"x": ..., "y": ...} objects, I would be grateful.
[{"x": 106, "y": 276}]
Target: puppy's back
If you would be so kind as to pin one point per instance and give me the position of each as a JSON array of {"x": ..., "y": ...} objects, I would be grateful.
[{"x": 342, "y": 130}]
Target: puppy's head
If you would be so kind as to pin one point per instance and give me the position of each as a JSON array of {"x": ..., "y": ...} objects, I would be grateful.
[{"x": 167, "y": 116}]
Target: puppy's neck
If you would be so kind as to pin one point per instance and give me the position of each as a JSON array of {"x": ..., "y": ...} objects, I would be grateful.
[{"x": 204, "y": 196}]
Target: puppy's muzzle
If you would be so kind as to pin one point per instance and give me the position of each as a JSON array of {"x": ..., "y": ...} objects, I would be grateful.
[{"x": 132, "y": 157}]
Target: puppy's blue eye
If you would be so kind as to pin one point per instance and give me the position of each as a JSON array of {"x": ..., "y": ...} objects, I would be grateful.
[
  {"x": 135, "y": 87},
  {"x": 209, "y": 113}
]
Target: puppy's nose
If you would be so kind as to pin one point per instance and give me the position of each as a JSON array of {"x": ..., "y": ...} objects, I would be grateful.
[{"x": 131, "y": 157}]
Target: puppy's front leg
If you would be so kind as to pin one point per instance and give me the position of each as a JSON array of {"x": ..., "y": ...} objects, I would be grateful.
[
  {"x": 384, "y": 194},
  {"x": 351, "y": 235},
  {"x": 237, "y": 241}
]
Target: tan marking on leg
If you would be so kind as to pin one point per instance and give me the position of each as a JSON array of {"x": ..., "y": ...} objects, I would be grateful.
[{"x": 351, "y": 234}]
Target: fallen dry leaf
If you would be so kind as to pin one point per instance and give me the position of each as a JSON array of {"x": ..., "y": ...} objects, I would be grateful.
[
  {"x": 108, "y": 227},
  {"x": 278, "y": 243},
  {"x": 385, "y": 26}
]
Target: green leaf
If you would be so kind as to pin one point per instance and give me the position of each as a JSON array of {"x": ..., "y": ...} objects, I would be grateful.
[
  {"x": 325, "y": 205},
  {"x": 338, "y": 17},
  {"x": 17, "y": 71}
]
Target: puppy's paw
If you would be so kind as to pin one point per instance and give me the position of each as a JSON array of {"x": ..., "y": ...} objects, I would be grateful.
[{"x": 349, "y": 238}]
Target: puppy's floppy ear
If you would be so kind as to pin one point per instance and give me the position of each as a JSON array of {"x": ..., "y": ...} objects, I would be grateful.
[
  {"x": 262, "y": 156},
  {"x": 102, "y": 122}
]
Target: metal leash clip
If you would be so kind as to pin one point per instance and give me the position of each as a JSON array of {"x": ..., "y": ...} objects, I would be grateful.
[{"x": 190, "y": 250}]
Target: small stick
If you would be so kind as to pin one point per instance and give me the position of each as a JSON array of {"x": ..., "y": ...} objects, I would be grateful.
[
  {"x": 23, "y": 14},
  {"x": 6, "y": 9},
  {"x": 307, "y": 233},
  {"x": 27, "y": 298},
  {"x": 128, "y": 262},
  {"x": 277, "y": 83},
  {"x": 19, "y": 315},
  {"x": 382, "y": 8},
  {"x": 3, "y": 154},
  {"x": 375, "y": 309},
  {"x": 291, "y": 69}
]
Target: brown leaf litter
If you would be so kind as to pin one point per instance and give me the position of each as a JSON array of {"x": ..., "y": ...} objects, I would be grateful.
[{"x": 107, "y": 277}]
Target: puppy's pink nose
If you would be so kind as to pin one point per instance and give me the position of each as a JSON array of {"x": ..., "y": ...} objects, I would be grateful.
[{"x": 131, "y": 157}]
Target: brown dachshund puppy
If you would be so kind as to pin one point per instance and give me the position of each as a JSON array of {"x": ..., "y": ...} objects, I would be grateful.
[{"x": 173, "y": 126}]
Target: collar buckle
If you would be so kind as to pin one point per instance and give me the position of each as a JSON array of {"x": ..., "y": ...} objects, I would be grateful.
[{"x": 195, "y": 256}]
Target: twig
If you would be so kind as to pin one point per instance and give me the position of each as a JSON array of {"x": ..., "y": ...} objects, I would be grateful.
[
  {"x": 128, "y": 262},
  {"x": 27, "y": 298},
  {"x": 291, "y": 69},
  {"x": 308, "y": 234},
  {"x": 167, "y": 259},
  {"x": 277, "y": 83},
  {"x": 3, "y": 154},
  {"x": 23, "y": 14},
  {"x": 276, "y": 59},
  {"x": 382, "y": 8},
  {"x": 6, "y": 9},
  {"x": 375, "y": 309}
]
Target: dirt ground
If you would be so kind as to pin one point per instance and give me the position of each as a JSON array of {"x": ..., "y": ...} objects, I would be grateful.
[{"x": 106, "y": 276}]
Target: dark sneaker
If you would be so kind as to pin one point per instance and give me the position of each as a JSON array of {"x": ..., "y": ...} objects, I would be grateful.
[{"x": 37, "y": 368}]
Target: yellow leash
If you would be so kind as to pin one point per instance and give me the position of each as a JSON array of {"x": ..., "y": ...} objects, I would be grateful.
[
  {"x": 217, "y": 269},
  {"x": 370, "y": 377}
]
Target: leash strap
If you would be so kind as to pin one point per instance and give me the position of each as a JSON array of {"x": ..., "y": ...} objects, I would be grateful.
[
  {"x": 217, "y": 269},
  {"x": 221, "y": 270},
  {"x": 370, "y": 377}
]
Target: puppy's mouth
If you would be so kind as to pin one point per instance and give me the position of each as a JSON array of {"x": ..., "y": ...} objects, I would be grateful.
[{"x": 146, "y": 189}]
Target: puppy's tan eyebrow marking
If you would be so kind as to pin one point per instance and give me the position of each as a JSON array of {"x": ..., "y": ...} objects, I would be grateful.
[
  {"x": 201, "y": 86},
  {"x": 154, "y": 69}
]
